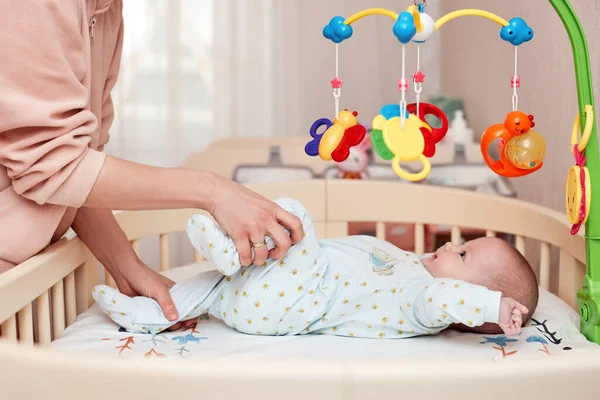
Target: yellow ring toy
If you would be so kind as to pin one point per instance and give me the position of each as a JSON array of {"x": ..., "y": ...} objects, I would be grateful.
[
  {"x": 414, "y": 10},
  {"x": 406, "y": 143},
  {"x": 587, "y": 131}
]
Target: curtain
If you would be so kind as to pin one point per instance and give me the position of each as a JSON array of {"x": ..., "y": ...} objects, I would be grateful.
[
  {"x": 164, "y": 98},
  {"x": 195, "y": 71}
]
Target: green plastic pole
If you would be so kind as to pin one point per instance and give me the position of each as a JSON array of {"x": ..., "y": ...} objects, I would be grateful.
[{"x": 588, "y": 297}]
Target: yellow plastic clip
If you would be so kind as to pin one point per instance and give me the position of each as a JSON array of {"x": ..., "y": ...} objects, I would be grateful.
[
  {"x": 587, "y": 131},
  {"x": 414, "y": 10}
]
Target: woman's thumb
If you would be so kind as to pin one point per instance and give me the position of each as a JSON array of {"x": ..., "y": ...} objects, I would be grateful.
[{"x": 166, "y": 303}]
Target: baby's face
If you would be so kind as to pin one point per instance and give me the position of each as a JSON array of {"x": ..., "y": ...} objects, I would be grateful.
[{"x": 463, "y": 262}]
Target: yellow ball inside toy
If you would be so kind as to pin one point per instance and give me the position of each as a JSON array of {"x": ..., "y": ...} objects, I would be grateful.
[{"x": 526, "y": 151}]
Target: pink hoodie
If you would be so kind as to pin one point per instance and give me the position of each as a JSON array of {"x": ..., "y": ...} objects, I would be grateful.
[{"x": 60, "y": 60}]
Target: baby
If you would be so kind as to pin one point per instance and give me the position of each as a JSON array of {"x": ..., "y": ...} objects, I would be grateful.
[{"x": 356, "y": 286}]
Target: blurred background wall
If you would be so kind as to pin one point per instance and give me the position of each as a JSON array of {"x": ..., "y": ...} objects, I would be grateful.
[
  {"x": 194, "y": 71},
  {"x": 478, "y": 67}
]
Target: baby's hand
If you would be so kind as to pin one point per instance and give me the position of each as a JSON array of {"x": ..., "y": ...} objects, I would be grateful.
[{"x": 511, "y": 316}]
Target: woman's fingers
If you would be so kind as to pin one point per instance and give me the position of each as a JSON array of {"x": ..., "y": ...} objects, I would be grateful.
[
  {"x": 189, "y": 323},
  {"x": 292, "y": 223},
  {"x": 242, "y": 243},
  {"x": 175, "y": 327},
  {"x": 281, "y": 239},
  {"x": 260, "y": 251},
  {"x": 163, "y": 298}
]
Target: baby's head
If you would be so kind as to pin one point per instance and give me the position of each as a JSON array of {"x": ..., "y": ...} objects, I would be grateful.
[{"x": 488, "y": 262}]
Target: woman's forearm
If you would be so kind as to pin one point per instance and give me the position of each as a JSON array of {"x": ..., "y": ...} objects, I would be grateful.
[
  {"x": 124, "y": 185},
  {"x": 100, "y": 231}
]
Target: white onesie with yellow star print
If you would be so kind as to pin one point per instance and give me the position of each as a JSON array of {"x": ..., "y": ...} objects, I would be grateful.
[{"x": 354, "y": 286}]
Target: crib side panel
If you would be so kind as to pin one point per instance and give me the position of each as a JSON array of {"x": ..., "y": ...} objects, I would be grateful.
[{"x": 42, "y": 296}]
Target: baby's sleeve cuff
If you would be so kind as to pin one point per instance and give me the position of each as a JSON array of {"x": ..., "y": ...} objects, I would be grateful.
[{"x": 491, "y": 307}]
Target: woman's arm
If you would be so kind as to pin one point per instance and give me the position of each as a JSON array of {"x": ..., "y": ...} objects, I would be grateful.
[
  {"x": 245, "y": 215},
  {"x": 99, "y": 230},
  {"x": 124, "y": 185},
  {"x": 46, "y": 128}
]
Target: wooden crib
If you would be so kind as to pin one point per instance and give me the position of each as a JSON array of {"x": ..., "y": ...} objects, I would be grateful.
[{"x": 42, "y": 296}]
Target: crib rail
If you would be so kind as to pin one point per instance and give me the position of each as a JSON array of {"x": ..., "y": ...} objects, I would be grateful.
[
  {"x": 42, "y": 296},
  {"x": 425, "y": 205}
]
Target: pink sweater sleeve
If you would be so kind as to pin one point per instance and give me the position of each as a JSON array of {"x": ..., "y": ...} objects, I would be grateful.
[{"x": 45, "y": 122}]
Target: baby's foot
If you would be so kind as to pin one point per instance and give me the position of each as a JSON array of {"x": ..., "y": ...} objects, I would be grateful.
[
  {"x": 123, "y": 310},
  {"x": 139, "y": 314}
]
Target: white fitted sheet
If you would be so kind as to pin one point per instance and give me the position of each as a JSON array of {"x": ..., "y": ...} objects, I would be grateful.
[{"x": 557, "y": 336}]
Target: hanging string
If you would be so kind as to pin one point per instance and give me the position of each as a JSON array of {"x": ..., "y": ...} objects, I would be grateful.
[
  {"x": 418, "y": 82},
  {"x": 515, "y": 83},
  {"x": 337, "y": 60},
  {"x": 403, "y": 88},
  {"x": 337, "y": 87}
]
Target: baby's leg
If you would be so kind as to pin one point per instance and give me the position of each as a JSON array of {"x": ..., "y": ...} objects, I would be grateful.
[
  {"x": 285, "y": 296},
  {"x": 219, "y": 248},
  {"x": 140, "y": 314}
]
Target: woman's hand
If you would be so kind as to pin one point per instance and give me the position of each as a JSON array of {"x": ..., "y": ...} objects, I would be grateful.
[
  {"x": 104, "y": 237},
  {"x": 140, "y": 280},
  {"x": 248, "y": 217}
]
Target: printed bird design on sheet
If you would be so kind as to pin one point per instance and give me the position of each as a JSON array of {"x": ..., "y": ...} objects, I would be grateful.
[{"x": 383, "y": 263}]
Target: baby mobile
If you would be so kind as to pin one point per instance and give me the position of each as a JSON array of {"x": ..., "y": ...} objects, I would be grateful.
[{"x": 400, "y": 132}]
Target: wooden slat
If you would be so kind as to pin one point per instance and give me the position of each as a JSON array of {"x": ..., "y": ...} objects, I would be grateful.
[
  {"x": 25, "y": 321},
  {"x": 419, "y": 239},
  {"x": 545, "y": 265},
  {"x": 70, "y": 299},
  {"x": 9, "y": 329},
  {"x": 380, "y": 230},
  {"x": 337, "y": 229},
  {"x": 164, "y": 252},
  {"x": 490, "y": 234},
  {"x": 520, "y": 244},
  {"x": 455, "y": 235},
  {"x": 43, "y": 319},
  {"x": 91, "y": 276},
  {"x": 320, "y": 229},
  {"x": 81, "y": 289},
  {"x": 570, "y": 278},
  {"x": 58, "y": 309}
]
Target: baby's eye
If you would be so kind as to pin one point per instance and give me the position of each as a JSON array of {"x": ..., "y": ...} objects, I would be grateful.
[{"x": 463, "y": 254}]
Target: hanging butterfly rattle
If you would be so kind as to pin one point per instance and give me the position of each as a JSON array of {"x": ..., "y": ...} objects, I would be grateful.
[{"x": 337, "y": 139}]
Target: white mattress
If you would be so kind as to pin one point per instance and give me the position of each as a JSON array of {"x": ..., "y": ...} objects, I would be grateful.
[{"x": 557, "y": 335}]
